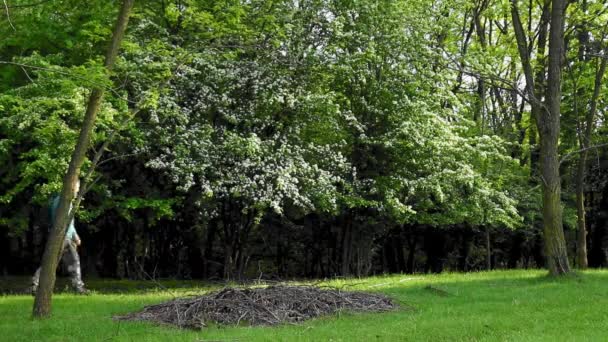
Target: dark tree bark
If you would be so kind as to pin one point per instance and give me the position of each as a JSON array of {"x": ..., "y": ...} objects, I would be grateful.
[
  {"x": 398, "y": 244},
  {"x": 465, "y": 248},
  {"x": 236, "y": 228},
  {"x": 488, "y": 244},
  {"x": 435, "y": 249},
  {"x": 585, "y": 142},
  {"x": 228, "y": 261},
  {"x": 389, "y": 263},
  {"x": 50, "y": 259},
  {"x": 547, "y": 116},
  {"x": 346, "y": 246},
  {"x": 597, "y": 251},
  {"x": 540, "y": 79},
  {"x": 208, "y": 254},
  {"x": 515, "y": 252},
  {"x": 412, "y": 241},
  {"x": 478, "y": 114},
  {"x": 535, "y": 79},
  {"x": 549, "y": 128}
]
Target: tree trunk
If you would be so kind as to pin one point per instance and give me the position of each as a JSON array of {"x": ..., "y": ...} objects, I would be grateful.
[
  {"x": 539, "y": 84},
  {"x": 488, "y": 249},
  {"x": 228, "y": 261},
  {"x": 535, "y": 79},
  {"x": 465, "y": 248},
  {"x": 549, "y": 127},
  {"x": 585, "y": 142},
  {"x": 581, "y": 234},
  {"x": 50, "y": 258},
  {"x": 597, "y": 251},
  {"x": 435, "y": 248},
  {"x": 346, "y": 247},
  {"x": 399, "y": 252},
  {"x": 411, "y": 253},
  {"x": 515, "y": 252},
  {"x": 390, "y": 265},
  {"x": 547, "y": 117},
  {"x": 208, "y": 249}
]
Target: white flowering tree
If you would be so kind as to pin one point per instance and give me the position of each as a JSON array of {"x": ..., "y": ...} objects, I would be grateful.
[
  {"x": 328, "y": 108},
  {"x": 225, "y": 130}
]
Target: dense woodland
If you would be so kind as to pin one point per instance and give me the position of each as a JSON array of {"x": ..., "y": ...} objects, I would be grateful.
[{"x": 308, "y": 138}]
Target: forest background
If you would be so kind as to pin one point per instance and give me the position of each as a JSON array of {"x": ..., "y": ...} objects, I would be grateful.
[{"x": 289, "y": 139}]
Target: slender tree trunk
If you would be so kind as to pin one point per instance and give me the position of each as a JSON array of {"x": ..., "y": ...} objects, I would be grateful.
[
  {"x": 389, "y": 256},
  {"x": 208, "y": 249},
  {"x": 581, "y": 234},
  {"x": 228, "y": 261},
  {"x": 478, "y": 115},
  {"x": 488, "y": 249},
  {"x": 597, "y": 250},
  {"x": 465, "y": 247},
  {"x": 411, "y": 254},
  {"x": 540, "y": 79},
  {"x": 581, "y": 240},
  {"x": 515, "y": 252},
  {"x": 42, "y": 303},
  {"x": 346, "y": 247},
  {"x": 399, "y": 252},
  {"x": 535, "y": 77},
  {"x": 412, "y": 241},
  {"x": 549, "y": 127}
]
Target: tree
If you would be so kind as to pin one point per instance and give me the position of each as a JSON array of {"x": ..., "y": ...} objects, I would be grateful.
[
  {"x": 585, "y": 142},
  {"x": 548, "y": 124},
  {"x": 547, "y": 115},
  {"x": 586, "y": 65},
  {"x": 42, "y": 303}
]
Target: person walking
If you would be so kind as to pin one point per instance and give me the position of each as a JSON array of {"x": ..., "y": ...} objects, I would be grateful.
[{"x": 70, "y": 256}]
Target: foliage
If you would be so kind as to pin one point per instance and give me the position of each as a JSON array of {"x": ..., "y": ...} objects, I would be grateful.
[{"x": 370, "y": 115}]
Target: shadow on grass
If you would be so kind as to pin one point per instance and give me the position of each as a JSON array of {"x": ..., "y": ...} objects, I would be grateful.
[
  {"x": 473, "y": 285},
  {"x": 499, "y": 305},
  {"x": 479, "y": 295},
  {"x": 435, "y": 284},
  {"x": 14, "y": 285}
]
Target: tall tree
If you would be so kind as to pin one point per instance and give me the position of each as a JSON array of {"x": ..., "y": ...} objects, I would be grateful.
[
  {"x": 547, "y": 116},
  {"x": 583, "y": 100},
  {"x": 584, "y": 144},
  {"x": 549, "y": 127},
  {"x": 42, "y": 303}
]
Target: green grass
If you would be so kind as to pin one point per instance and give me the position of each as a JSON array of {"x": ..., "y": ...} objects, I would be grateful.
[{"x": 487, "y": 306}]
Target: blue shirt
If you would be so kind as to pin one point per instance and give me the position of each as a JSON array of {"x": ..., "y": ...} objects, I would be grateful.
[{"x": 71, "y": 232}]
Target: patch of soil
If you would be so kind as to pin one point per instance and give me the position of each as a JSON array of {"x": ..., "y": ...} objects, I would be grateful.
[{"x": 259, "y": 306}]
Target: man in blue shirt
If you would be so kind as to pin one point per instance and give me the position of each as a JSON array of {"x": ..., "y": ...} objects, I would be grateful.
[{"x": 70, "y": 256}]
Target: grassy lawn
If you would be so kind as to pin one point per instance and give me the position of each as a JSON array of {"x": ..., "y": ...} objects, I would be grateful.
[{"x": 492, "y": 306}]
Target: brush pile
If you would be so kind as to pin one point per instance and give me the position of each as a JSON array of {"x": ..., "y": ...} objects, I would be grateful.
[{"x": 259, "y": 306}]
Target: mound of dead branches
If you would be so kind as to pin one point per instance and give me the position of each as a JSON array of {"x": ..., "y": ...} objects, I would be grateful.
[{"x": 259, "y": 306}]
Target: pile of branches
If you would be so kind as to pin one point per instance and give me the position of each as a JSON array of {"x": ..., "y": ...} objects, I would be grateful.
[{"x": 259, "y": 306}]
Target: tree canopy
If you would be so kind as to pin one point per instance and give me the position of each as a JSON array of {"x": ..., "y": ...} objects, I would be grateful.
[{"x": 253, "y": 134}]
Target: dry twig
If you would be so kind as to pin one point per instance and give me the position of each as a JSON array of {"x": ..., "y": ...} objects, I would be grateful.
[{"x": 259, "y": 306}]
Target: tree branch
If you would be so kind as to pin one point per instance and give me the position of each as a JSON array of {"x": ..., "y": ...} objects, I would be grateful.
[
  {"x": 8, "y": 16},
  {"x": 29, "y": 5},
  {"x": 60, "y": 72},
  {"x": 567, "y": 156}
]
